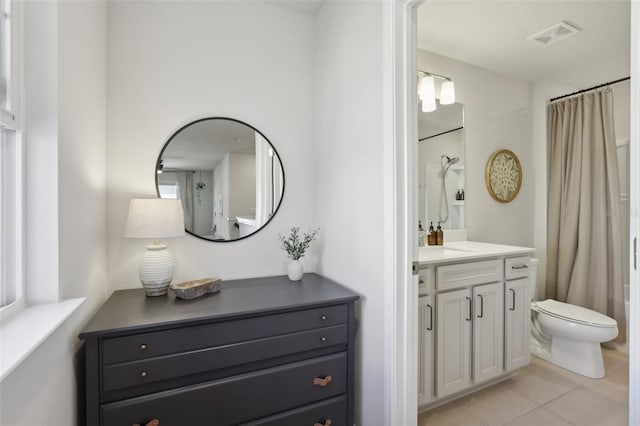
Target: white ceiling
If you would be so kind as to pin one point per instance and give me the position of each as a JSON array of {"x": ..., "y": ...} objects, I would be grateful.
[
  {"x": 493, "y": 35},
  {"x": 201, "y": 146}
]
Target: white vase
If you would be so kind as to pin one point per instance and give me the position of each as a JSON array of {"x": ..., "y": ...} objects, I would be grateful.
[{"x": 295, "y": 270}]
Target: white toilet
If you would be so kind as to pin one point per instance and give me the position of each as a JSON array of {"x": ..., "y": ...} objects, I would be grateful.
[{"x": 567, "y": 335}]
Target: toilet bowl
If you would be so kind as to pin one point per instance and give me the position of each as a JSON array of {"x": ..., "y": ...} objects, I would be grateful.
[{"x": 569, "y": 336}]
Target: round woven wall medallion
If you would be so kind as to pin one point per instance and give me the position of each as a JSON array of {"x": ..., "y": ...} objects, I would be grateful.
[{"x": 504, "y": 176}]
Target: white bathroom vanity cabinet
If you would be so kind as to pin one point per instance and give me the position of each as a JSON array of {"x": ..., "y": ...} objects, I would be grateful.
[{"x": 474, "y": 318}]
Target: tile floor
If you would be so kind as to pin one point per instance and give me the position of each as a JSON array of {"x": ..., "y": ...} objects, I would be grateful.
[{"x": 542, "y": 394}]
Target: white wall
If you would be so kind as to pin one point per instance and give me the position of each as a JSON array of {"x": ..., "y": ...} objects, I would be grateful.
[
  {"x": 203, "y": 209},
  {"x": 82, "y": 148},
  {"x": 349, "y": 187},
  {"x": 622, "y": 109},
  {"x": 41, "y": 150},
  {"x": 66, "y": 104},
  {"x": 271, "y": 62},
  {"x": 496, "y": 115},
  {"x": 622, "y": 117},
  {"x": 172, "y": 62},
  {"x": 242, "y": 184}
]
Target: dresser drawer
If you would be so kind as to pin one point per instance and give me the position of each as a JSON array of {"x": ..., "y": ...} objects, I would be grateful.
[
  {"x": 236, "y": 399},
  {"x": 148, "y": 345},
  {"x": 150, "y": 370},
  {"x": 330, "y": 412},
  {"x": 451, "y": 277},
  {"x": 517, "y": 267}
]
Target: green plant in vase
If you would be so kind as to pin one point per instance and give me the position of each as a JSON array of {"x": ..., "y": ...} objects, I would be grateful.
[{"x": 296, "y": 246}]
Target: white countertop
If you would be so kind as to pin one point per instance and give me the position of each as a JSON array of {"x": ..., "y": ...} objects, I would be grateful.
[{"x": 467, "y": 250}]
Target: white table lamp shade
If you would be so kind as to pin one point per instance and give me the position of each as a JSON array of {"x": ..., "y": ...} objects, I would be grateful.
[{"x": 155, "y": 218}]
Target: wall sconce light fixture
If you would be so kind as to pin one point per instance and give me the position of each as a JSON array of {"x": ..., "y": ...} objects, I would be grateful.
[{"x": 427, "y": 91}]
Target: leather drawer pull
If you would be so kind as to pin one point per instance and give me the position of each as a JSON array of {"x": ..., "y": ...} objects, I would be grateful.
[
  {"x": 322, "y": 382},
  {"x": 328, "y": 422},
  {"x": 154, "y": 422}
]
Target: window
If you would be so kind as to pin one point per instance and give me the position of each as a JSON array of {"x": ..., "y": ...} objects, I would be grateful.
[
  {"x": 9, "y": 48},
  {"x": 168, "y": 190},
  {"x": 10, "y": 217},
  {"x": 5, "y": 52},
  {"x": 11, "y": 160}
]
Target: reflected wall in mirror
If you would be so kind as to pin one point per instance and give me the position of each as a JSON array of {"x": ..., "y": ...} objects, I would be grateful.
[
  {"x": 441, "y": 179},
  {"x": 227, "y": 175}
]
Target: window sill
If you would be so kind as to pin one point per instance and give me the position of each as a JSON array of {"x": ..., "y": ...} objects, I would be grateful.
[{"x": 26, "y": 328}]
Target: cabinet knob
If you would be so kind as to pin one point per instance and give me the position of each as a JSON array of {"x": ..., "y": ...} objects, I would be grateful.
[
  {"x": 320, "y": 381},
  {"x": 323, "y": 339},
  {"x": 143, "y": 374},
  {"x": 323, "y": 317},
  {"x": 143, "y": 347},
  {"x": 327, "y": 422}
]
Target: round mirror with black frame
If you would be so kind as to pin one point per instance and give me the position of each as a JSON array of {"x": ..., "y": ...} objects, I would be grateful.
[{"x": 227, "y": 174}]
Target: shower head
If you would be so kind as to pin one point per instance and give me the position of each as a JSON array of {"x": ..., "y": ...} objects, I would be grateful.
[
  {"x": 450, "y": 160},
  {"x": 448, "y": 163}
]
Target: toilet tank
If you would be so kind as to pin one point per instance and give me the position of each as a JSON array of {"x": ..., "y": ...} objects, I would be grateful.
[{"x": 533, "y": 275}]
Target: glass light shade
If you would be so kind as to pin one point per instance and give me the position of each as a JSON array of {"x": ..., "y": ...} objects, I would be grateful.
[
  {"x": 447, "y": 93},
  {"x": 427, "y": 88},
  {"x": 154, "y": 218},
  {"x": 429, "y": 104}
]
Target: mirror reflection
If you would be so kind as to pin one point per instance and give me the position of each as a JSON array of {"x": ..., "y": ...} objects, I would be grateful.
[
  {"x": 227, "y": 175},
  {"x": 441, "y": 167}
]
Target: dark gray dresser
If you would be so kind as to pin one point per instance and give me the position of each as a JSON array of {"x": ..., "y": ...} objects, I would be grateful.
[{"x": 263, "y": 351}]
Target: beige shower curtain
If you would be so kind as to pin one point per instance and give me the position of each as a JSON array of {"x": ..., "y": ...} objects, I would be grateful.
[
  {"x": 185, "y": 186},
  {"x": 584, "y": 264}
]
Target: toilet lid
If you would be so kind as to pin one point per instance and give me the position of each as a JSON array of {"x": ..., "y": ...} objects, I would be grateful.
[{"x": 575, "y": 313}]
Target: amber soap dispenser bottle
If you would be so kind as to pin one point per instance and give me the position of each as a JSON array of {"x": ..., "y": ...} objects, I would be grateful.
[
  {"x": 431, "y": 236},
  {"x": 439, "y": 235}
]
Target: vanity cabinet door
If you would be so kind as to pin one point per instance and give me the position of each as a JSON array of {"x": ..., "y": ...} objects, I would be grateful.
[
  {"x": 517, "y": 314},
  {"x": 426, "y": 335},
  {"x": 453, "y": 324},
  {"x": 488, "y": 331}
]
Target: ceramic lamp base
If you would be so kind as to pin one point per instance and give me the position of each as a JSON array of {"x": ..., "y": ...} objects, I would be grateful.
[{"x": 156, "y": 270}]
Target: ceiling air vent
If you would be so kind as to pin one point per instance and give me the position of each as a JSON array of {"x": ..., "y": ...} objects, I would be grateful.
[{"x": 558, "y": 32}]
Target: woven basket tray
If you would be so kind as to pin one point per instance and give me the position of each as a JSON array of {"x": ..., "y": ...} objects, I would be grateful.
[{"x": 196, "y": 288}]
